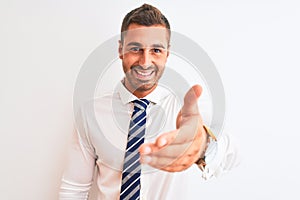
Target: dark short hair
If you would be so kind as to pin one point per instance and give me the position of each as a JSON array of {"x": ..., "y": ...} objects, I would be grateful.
[{"x": 145, "y": 15}]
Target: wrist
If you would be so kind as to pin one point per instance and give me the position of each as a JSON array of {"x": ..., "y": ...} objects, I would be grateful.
[{"x": 209, "y": 136}]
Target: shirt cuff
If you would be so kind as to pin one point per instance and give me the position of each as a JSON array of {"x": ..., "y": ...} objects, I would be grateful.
[{"x": 220, "y": 157}]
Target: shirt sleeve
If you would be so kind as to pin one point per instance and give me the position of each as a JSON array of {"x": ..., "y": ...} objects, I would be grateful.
[
  {"x": 221, "y": 156},
  {"x": 78, "y": 174}
]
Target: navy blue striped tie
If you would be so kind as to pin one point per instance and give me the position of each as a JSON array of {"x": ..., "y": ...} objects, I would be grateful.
[{"x": 130, "y": 188}]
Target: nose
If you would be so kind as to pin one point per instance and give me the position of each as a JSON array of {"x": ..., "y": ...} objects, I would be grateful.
[{"x": 145, "y": 60}]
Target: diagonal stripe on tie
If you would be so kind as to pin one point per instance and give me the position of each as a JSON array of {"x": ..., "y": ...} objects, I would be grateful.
[
  {"x": 130, "y": 188},
  {"x": 133, "y": 183},
  {"x": 135, "y": 143},
  {"x": 138, "y": 121},
  {"x": 136, "y": 114},
  {"x": 130, "y": 181},
  {"x": 131, "y": 169},
  {"x": 136, "y": 133},
  {"x": 130, "y": 162}
]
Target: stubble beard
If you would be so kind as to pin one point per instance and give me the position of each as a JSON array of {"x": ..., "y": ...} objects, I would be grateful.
[{"x": 141, "y": 85}]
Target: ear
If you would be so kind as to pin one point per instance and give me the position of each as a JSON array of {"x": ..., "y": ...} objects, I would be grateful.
[{"x": 120, "y": 49}]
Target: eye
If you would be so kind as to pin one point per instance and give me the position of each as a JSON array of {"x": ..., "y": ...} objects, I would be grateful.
[
  {"x": 156, "y": 50},
  {"x": 135, "y": 49}
]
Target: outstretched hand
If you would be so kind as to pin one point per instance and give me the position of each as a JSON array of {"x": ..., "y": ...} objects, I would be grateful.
[{"x": 177, "y": 150}]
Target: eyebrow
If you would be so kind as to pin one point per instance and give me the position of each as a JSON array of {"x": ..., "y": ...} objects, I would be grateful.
[
  {"x": 134, "y": 44},
  {"x": 140, "y": 45},
  {"x": 158, "y": 46}
]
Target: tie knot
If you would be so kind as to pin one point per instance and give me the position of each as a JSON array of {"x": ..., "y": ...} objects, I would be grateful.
[{"x": 141, "y": 103}]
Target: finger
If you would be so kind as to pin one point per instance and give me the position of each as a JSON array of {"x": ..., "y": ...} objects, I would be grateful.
[
  {"x": 168, "y": 164},
  {"x": 166, "y": 138},
  {"x": 180, "y": 164},
  {"x": 168, "y": 142},
  {"x": 175, "y": 169},
  {"x": 190, "y": 106},
  {"x": 162, "y": 141},
  {"x": 176, "y": 151},
  {"x": 156, "y": 161}
]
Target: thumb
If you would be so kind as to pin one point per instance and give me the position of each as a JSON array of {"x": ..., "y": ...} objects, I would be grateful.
[{"x": 190, "y": 106}]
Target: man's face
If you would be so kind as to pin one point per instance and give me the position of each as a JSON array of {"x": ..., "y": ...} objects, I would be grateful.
[{"x": 144, "y": 53}]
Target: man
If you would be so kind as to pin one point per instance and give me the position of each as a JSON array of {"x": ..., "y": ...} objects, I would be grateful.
[{"x": 140, "y": 135}]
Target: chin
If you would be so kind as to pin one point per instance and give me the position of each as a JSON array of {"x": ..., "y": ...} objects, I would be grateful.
[{"x": 146, "y": 86}]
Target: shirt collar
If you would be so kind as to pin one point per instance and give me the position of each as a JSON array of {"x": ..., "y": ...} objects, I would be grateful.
[{"x": 155, "y": 96}]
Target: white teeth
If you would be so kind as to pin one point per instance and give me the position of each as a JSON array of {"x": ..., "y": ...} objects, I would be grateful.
[{"x": 147, "y": 73}]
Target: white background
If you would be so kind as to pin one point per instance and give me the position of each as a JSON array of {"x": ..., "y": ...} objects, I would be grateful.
[{"x": 254, "y": 45}]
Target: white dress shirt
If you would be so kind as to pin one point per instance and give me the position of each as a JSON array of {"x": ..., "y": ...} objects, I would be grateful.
[{"x": 100, "y": 140}]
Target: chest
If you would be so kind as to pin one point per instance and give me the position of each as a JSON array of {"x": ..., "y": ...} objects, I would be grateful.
[{"x": 110, "y": 129}]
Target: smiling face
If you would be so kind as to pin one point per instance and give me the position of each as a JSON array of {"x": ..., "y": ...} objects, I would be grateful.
[{"x": 144, "y": 52}]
